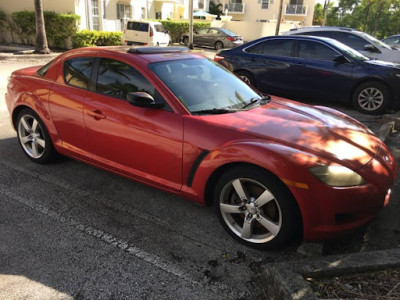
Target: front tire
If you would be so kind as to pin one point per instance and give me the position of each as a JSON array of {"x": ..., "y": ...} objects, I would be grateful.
[
  {"x": 34, "y": 138},
  {"x": 256, "y": 208},
  {"x": 371, "y": 98}
]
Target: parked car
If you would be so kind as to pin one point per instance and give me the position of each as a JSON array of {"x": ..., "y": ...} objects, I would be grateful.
[
  {"x": 274, "y": 168},
  {"x": 147, "y": 33},
  {"x": 217, "y": 38},
  {"x": 316, "y": 68},
  {"x": 393, "y": 41},
  {"x": 358, "y": 40}
]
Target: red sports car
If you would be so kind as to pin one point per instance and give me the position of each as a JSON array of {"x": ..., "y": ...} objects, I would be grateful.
[{"x": 172, "y": 119}]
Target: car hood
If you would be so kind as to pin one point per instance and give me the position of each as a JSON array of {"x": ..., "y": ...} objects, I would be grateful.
[
  {"x": 383, "y": 63},
  {"x": 316, "y": 130}
]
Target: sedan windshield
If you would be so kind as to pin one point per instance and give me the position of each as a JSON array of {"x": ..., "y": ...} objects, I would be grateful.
[
  {"x": 349, "y": 51},
  {"x": 204, "y": 87}
]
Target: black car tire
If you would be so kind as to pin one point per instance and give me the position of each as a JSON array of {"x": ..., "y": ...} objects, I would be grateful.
[
  {"x": 218, "y": 45},
  {"x": 256, "y": 208},
  {"x": 247, "y": 77},
  {"x": 34, "y": 138},
  {"x": 371, "y": 98},
  {"x": 186, "y": 41}
]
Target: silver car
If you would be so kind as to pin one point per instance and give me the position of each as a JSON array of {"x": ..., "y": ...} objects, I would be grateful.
[
  {"x": 393, "y": 41},
  {"x": 218, "y": 38}
]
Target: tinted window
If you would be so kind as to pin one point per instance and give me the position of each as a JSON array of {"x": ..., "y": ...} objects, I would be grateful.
[
  {"x": 77, "y": 71},
  {"x": 315, "y": 50},
  {"x": 43, "y": 70},
  {"x": 138, "y": 26},
  {"x": 117, "y": 79},
  {"x": 351, "y": 40},
  {"x": 273, "y": 48}
]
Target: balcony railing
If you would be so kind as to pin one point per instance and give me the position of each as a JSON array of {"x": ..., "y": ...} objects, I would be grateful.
[
  {"x": 294, "y": 9},
  {"x": 234, "y": 8}
]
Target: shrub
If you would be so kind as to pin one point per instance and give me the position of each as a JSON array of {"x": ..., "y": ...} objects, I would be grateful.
[
  {"x": 58, "y": 26},
  {"x": 177, "y": 28},
  {"x": 87, "y": 38}
]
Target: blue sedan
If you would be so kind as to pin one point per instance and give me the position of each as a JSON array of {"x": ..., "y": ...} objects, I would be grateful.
[{"x": 315, "y": 68}]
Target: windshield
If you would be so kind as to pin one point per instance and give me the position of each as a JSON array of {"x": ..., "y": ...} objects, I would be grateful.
[
  {"x": 375, "y": 41},
  {"x": 202, "y": 85},
  {"x": 349, "y": 51}
]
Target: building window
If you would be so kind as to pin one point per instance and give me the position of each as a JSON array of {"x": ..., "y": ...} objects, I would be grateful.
[
  {"x": 264, "y": 4},
  {"x": 143, "y": 13},
  {"x": 123, "y": 13},
  {"x": 95, "y": 15}
]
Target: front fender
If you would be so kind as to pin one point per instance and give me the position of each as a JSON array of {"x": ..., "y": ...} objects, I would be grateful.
[{"x": 288, "y": 164}]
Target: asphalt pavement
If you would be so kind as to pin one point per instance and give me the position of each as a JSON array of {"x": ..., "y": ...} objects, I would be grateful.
[{"x": 71, "y": 231}]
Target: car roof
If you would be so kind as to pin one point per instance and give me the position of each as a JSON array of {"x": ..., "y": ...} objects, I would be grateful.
[
  {"x": 320, "y": 28},
  {"x": 148, "y": 54},
  {"x": 303, "y": 37}
]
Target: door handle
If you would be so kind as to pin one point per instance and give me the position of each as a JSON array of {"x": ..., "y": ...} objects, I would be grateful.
[{"x": 97, "y": 114}]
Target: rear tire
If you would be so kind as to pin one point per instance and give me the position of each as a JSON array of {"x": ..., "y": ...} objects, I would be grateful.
[
  {"x": 371, "y": 98},
  {"x": 218, "y": 45},
  {"x": 247, "y": 77},
  {"x": 256, "y": 208},
  {"x": 34, "y": 138},
  {"x": 186, "y": 41}
]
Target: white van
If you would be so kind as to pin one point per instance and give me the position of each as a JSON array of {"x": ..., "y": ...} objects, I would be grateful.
[{"x": 146, "y": 33}]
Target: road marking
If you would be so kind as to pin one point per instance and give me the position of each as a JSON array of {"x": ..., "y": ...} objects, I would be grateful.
[
  {"x": 114, "y": 205},
  {"x": 110, "y": 239}
]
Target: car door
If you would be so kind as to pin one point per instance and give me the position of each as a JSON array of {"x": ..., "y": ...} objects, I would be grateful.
[
  {"x": 317, "y": 74},
  {"x": 144, "y": 143},
  {"x": 200, "y": 37},
  {"x": 270, "y": 62},
  {"x": 66, "y": 102}
]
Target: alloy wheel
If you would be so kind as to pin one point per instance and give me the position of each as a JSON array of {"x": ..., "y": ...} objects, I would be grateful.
[{"x": 31, "y": 136}]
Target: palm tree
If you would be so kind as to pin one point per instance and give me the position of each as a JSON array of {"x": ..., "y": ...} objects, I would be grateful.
[
  {"x": 215, "y": 9},
  {"x": 41, "y": 39}
]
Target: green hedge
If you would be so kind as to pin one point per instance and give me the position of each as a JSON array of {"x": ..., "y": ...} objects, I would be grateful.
[
  {"x": 87, "y": 38},
  {"x": 177, "y": 28},
  {"x": 58, "y": 26}
]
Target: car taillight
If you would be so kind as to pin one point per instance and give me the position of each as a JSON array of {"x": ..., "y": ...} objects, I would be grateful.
[
  {"x": 218, "y": 58},
  {"x": 151, "y": 32},
  {"x": 230, "y": 38}
]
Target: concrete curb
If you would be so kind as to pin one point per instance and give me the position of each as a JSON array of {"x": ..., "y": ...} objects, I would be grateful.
[{"x": 286, "y": 280}]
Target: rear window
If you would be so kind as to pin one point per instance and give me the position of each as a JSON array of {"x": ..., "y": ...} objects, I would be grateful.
[
  {"x": 43, "y": 70},
  {"x": 160, "y": 28},
  {"x": 138, "y": 26}
]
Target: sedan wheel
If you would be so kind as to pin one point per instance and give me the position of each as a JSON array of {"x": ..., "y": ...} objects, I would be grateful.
[
  {"x": 219, "y": 46},
  {"x": 371, "y": 98},
  {"x": 33, "y": 137},
  {"x": 246, "y": 77},
  {"x": 186, "y": 41},
  {"x": 256, "y": 208}
]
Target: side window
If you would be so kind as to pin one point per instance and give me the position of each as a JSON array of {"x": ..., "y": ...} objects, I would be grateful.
[
  {"x": 351, "y": 40},
  {"x": 77, "y": 71},
  {"x": 117, "y": 79},
  {"x": 274, "y": 47},
  {"x": 213, "y": 31},
  {"x": 203, "y": 31},
  {"x": 315, "y": 50}
]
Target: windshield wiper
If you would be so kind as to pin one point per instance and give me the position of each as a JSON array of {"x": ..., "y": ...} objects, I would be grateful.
[
  {"x": 214, "y": 111},
  {"x": 254, "y": 101}
]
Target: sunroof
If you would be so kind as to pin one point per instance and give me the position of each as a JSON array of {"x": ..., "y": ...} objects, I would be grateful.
[{"x": 157, "y": 50}]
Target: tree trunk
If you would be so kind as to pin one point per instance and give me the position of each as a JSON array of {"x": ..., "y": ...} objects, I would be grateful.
[{"x": 41, "y": 39}]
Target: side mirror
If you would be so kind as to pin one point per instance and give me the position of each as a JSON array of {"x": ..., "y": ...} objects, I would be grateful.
[
  {"x": 341, "y": 59},
  {"x": 371, "y": 48},
  {"x": 143, "y": 99}
]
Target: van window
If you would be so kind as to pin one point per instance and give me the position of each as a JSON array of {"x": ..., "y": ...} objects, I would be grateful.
[
  {"x": 160, "y": 28},
  {"x": 138, "y": 26}
]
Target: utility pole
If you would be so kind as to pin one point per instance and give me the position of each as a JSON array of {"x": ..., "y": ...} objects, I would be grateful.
[
  {"x": 278, "y": 22},
  {"x": 190, "y": 24}
]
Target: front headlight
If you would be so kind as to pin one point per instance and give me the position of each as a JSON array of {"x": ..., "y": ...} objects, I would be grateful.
[{"x": 339, "y": 176}]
